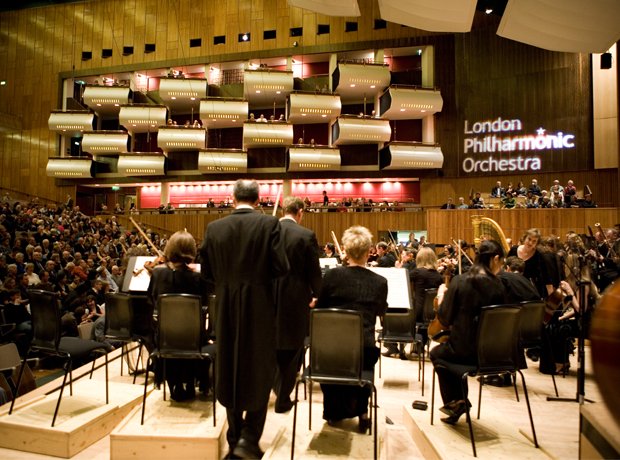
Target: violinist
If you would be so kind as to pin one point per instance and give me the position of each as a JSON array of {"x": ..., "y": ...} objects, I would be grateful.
[
  {"x": 175, "y": 276},
  {"x": 460, "y": 307}
]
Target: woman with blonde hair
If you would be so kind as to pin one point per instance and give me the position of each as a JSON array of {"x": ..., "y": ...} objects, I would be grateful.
[
  {"x": 424, "y": 276},
  {"x": 354, "y": 287}
]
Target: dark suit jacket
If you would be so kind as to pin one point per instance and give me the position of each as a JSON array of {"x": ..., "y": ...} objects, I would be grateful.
[
  {"x": 518, "y": 287},
  {"x": 241, "y": 256},
  {"x": 295, "y": 291},
  {"x": 356, "y": 288}
]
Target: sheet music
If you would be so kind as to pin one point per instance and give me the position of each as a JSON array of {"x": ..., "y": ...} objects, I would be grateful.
[
  {"x": 399, "y": 290},
  {"x": 330, "y": 262},
  {"x": 137, "y": 278}
]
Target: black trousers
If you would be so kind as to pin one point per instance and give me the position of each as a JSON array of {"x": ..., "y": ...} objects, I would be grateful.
[
  {"x": 449, "y": 383},
  {"x": 289, "y": 362},
  {"x": 249, "y": 427}
]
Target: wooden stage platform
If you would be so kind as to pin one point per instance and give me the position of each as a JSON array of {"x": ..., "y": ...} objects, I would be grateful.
[{"x": 503, "y": 430}]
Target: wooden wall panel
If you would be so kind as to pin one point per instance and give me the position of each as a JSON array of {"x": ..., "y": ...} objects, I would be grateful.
[
  {"x": 442, "y": 226},
  {"x": 38, "y": 44}
]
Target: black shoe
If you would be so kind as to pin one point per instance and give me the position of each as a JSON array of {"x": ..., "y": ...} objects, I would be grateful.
[
  {"x": 283, "y": 407},
  {"x": 459, "y": 409},
  {"x": 392, "y": 349},
  {"x": 403, "y": 356},
  {"x": 364, "y": 424},
  {"x": 245, "y": 449}
]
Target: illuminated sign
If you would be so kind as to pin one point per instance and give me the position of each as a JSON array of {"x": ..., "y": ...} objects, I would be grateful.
[{"x": 488, "y": 137}]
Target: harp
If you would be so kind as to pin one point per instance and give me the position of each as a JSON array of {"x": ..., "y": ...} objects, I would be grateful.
[{"x": 487, "y": 229}]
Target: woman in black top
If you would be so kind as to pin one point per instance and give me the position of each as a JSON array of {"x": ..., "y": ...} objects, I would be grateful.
[
  {"x": 536, "y": 269},
  {"x": 176, "y": 277},
  {"x": 460, "y": 308},
  {"x": 354, "y": 287}
]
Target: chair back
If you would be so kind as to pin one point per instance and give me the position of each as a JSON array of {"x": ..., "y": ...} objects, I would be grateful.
[
  {"x": 498, "y": 337},
  {"x": 45, "y": 313},
  {"x": 401, "y": 324},
  {"x": 9, "y": 357},
  {"x": 118, "y": 316},
  {"x": 336, "y": 343},
  {"x": 179, "y": 323},
  {"x": 141, "y": 313},
  {"x": 212, "y": 311},
  {"x": 428, "y": 313},
  {"x": 531, "y": 323}
]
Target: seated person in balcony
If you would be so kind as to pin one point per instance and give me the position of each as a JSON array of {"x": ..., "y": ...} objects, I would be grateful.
[
  {"x": 460, "y": 308},
  {"x": 509, "y": 201},
  {"x": 534, "y": 188},
  {"x": 448, "y": 205},
  {"x": 557, "y": 200},
  {"x": 462, "y": 204},
  {"x": 477, "y": 201},
  {"x": 354, "y": 288},
  {"x": 531, "y": 200},
  {"x": 497, "y": 191},
  {"x": 169, "y": 208},
  {"x": 587, "y": 202},
  {"x": 520, "y": 189},
  {"x": 570, "y": 192}
]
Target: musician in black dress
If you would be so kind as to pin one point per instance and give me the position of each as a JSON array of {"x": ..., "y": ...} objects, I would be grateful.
[
  {"x": 176, "y": 277},
  {"x": 354, "y": 287},
  {"x": 536, "y": 269},
  {"x": 460, "y": 308}
]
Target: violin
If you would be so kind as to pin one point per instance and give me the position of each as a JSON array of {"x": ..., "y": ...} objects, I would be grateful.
[{"x": 438, "y": 331}]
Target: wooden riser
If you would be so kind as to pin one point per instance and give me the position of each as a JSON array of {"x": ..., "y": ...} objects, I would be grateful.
[
  {"x": 83, "y": 418},
  {"x": 496, "y": 437},
  {"x": 171, "y": 430}
]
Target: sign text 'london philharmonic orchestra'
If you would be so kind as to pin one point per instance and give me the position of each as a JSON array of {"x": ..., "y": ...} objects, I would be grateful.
[{"x": 489, "y": 139}]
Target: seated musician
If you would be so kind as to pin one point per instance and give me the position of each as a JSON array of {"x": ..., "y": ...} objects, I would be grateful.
[
  {"x": 176, "y": 277},
  {"x": 354, "y": 287},
  {"x": 460, "y": 307}
]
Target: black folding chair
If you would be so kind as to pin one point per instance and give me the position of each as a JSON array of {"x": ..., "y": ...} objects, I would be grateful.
[
  {"x": 181, "y": 325},
  {"x": 128, "y": 318},
  {"x": 497, "y": 345},
  {"x": 428, "y": 314},
  {"x": 336, "y": 357},
  {"x": 397, "y": 327},
  {"x": 531, "y": 332},
  {"x": 46, "y": 328}
]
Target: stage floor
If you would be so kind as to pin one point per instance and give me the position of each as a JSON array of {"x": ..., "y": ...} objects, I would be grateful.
[{"x": 557, "y": 423}]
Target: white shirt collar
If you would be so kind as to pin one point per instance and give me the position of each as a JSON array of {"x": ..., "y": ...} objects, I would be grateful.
[{"x": 244, "y": 206}]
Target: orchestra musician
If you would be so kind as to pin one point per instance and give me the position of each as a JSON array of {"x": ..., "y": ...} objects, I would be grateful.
[
  {"x": 354, "y": 287},
  {"x": 460, "y": 307},
  {"x": 176, "y": 277}
]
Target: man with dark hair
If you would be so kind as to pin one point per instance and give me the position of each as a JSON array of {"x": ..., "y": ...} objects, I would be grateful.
[
  {"x": 241, "y": 256},
  {"x": 295, "y": 294},
  {"x": 385, "y": 257}
]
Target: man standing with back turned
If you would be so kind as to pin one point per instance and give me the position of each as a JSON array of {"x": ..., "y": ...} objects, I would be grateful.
[
  {"x": 295, "y": 294},
  {"x": 241, "y": 256}
]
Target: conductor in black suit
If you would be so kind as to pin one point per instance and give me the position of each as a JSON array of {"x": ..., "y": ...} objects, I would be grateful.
[
  {"x": 295, "y": 294},
  {"x": 241, "y": 256}
]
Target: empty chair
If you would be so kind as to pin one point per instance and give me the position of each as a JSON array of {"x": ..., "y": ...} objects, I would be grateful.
[
  {"x": 497, "y": 349},
  {"x": 336, "y": 357},
  {"x": 46, "y": 329},
  {"x": 398, "y": 327},
  {"x": 125, "y": 321},
  {"x": 181, "y": 326}
]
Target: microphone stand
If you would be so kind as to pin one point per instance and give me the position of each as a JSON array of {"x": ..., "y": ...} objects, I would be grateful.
[{"x": 581, "y": 339}]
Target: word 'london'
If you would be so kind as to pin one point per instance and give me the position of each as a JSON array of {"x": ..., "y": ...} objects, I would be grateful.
[{"x": 491, "y": 143}]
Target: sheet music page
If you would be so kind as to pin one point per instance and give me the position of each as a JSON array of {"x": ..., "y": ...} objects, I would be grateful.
[
  {"x": 399, "y": 291},
  {"x": 330, "y": 262},
  {"x": 140, "y": 278}
]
